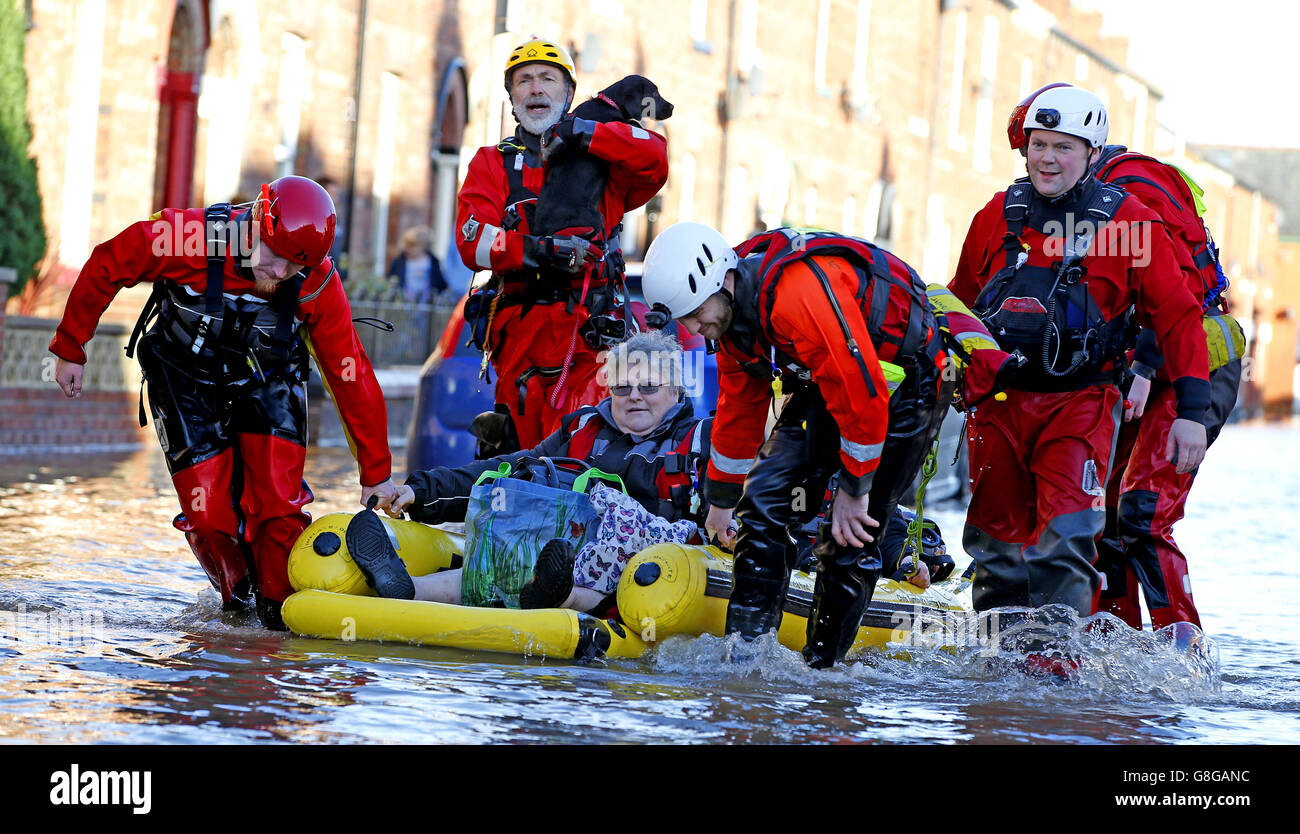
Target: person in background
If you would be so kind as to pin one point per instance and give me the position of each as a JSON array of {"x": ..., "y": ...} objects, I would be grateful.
[{"x": 416, "y": 271}]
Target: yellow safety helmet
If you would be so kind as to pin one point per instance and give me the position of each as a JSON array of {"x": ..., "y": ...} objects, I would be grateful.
[{"x": 538, "y": 51}]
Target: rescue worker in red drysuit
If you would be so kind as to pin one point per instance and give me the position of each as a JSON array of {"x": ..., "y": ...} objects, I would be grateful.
[
  {"x": 1039, "y": 460},
  {"x": 1145, "y": 497},
  {"x": 846, "y": 326},
  {"x": 241, "y": 295},
  {"x": 548, "y": 286}
]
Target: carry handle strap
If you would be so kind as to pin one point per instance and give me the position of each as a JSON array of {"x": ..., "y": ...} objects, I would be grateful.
[
  {"x": 552, "y": 476},
  {"x": 580, "y": 485},
  {"x": 502, "y": 471}
]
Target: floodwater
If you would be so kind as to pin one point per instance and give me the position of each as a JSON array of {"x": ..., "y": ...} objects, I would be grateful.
[{"x": 109, "y": 632}]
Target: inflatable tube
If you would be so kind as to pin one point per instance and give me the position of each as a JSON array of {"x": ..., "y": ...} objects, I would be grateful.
[
  {"x": 666, "y": 590},
  {"x": 319, "y": 559},
  {"x": 682, "y": 589},
  {"x": 334, "y": 601},
  {"x": 551, "y": 632}
]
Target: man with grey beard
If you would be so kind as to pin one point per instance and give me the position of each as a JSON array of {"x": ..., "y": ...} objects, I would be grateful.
[{"x": 545, "y": 288}]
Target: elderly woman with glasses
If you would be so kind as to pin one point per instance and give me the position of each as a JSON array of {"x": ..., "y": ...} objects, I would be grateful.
[{"x": 645, "y": 432}]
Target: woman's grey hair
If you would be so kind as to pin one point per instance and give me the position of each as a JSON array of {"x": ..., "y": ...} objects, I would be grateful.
[{"x": 659, "y": 353}]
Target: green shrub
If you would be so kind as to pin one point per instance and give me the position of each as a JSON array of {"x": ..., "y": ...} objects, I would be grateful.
[{"x": 22, "y": 225}]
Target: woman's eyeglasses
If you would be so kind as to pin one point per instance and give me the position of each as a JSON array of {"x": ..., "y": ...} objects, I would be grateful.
[{"x": 626, "y": 390}]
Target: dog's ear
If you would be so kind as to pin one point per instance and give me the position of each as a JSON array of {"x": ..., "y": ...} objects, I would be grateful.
[{"x": 630, "y": 91}]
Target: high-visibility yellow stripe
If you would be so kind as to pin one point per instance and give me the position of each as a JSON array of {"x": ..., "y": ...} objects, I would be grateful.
[{"x": 325, "y": 381}]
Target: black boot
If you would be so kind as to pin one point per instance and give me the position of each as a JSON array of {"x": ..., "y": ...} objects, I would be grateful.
[
  {"x": 552, "y": 579},
  {"x": 846, "y": 579},
  {"x": 496, "y": 435},
  {"x": 268, "y": 611},
  {"x": 373, "y": 553},
  {"x": 840, "y": 597},
  {"x": 241, "y": 598},
  {"x": 756, "y": 606}
]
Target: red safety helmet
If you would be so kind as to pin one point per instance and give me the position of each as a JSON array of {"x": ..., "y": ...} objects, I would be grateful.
[
  {"x": 296, "y": 219},
  {"x": 1016, "y": 124}
]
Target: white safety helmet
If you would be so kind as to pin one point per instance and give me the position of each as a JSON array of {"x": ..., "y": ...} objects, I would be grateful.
[
  {"x": 1070, "y": 110},
  {"x": 685, "y": 264}
]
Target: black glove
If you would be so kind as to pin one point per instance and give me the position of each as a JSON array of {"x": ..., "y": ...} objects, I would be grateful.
[
  {"x": 567, "y": 136},
  {"x": 571, "y": 254}
]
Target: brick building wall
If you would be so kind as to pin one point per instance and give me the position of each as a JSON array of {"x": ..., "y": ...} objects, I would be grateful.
[
  {"x": 886, "y": 124},
  {"x": 867, "y": 116}
]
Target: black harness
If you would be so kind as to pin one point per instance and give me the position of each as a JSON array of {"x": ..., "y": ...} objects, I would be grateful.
[
  {"x": 521, "y": 203},
  {"x": 1047, "y": 313},
  {"x": 783, "y": 246},
  {"x": 228, "y": 341},
  {"x": 521, "y": 208},
  {"x": 529, "y": 287}
]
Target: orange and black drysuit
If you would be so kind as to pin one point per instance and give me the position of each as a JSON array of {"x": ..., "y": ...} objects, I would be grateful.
[
  {"x": 227, "y": 371},
  {"x": 818, "y": 313},
  {"x": 531, "y": 316},
  {"x": 1039, "y": 460},
  {"x": 1145, "y": 496}
]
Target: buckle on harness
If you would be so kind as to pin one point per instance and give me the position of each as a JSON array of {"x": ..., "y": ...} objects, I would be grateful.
[
  {"x": 255, "y": 366},
  {"x": 675, "y": 464},
  {"x": 204, "y": 328}
]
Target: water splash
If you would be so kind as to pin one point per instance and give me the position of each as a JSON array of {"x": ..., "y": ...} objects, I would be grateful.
[
  {"x": 1102, "y": 657},
  {"x": 730, "y": 657},
  {"x": 1094, "y": 657}
]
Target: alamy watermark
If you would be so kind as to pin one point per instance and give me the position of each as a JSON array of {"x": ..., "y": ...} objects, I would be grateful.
[
  {"x": 176, "y": 235},
  {"x": 52, "y": 628},
  {"x": 74, "y": 786},
  {"x": 931, "y": 629},
  {"x": 1127, "y": 239},
  {"x": 683, "y": 369}
]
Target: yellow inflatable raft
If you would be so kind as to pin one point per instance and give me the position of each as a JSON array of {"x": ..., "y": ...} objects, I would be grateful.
[{"x": 667, "y": 589}]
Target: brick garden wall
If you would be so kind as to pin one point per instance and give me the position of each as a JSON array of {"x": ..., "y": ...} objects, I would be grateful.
[{"x": 35, "y": 416}]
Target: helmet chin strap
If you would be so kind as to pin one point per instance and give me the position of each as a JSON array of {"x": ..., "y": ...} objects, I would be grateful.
[
  {"x": 243, "y": 225},
  {"x": 1075, "y": 191},
  {"x": 731, "y": 301}
]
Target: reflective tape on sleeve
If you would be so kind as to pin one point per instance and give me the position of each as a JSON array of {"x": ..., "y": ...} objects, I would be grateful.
[
  {"x": 483, "y": 252},
  {"x": 860, "y": 451},
  {"x": 974, "y": 340},
  {"x": 731, "y": 466}
]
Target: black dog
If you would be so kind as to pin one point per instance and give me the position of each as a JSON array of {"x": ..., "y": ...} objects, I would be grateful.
[{"x": 575, "y": 180}]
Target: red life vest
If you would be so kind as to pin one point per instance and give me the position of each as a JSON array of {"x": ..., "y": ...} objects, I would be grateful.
[
  {"x": 890, "y": 294},
  {"x": 1163, "y": 189},
  {"x": 1047, "y": 312}
]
